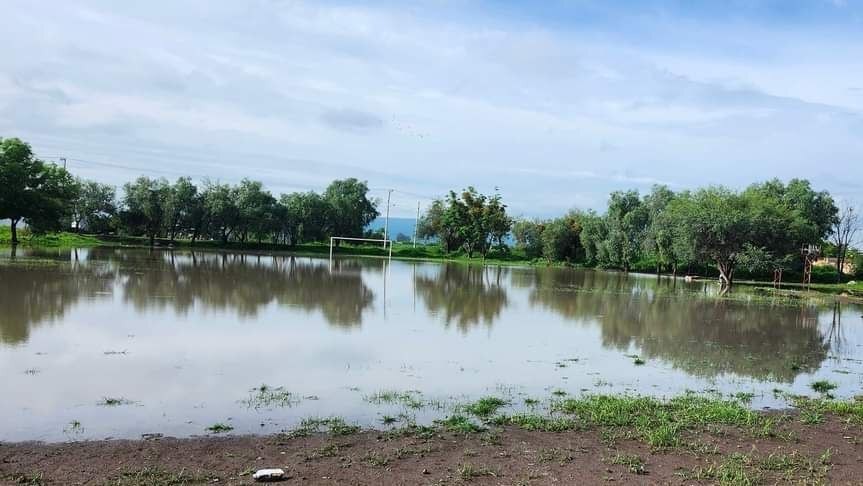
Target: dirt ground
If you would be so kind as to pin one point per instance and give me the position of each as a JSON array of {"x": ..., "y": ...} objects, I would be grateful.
[{"x": 827, "y": 453}]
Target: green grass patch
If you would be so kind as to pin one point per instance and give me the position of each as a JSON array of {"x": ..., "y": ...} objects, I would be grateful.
[
  {"x": 266, "y": 396},
  {"x": 461, "y": 424},
  {"x": 485, "y": 407},
  {"x": 314, "y": 425},
  {"x": 153, "y": 476},
  {"x": 823, "y": 386},
  {"x": 633, "y": 462},
  {"x": 49, "y": 240},
  {"x": 538, "y": 422},
  {"x": 410, "y": 399},
  {"x": 219, "y": 428}
]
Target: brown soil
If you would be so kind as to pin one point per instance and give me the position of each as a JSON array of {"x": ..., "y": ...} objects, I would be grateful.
[{"x": 500, "y": 456}]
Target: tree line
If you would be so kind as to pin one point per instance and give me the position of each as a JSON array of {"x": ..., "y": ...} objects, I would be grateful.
[
  {"x": 758, "y": 229},
  {"x": 48, "y": 198}
]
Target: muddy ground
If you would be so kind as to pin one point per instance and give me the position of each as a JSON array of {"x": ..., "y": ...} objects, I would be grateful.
[{"x": 827, "y": 453}]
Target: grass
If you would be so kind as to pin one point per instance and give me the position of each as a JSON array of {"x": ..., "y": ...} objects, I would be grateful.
[
  {"x": 115, "y": 401},
  {"x": 485, "y": 407},
  {"x": 50, "y": 240},
  {"x": 334, "y": 425},
  {"x": 152, "y": 476},
  {"x": 410, "y": 399},
  {"x": 539, "y": 422},
  {"x": 812, "y": 411},
  {"x": 31, "y": 479},
  {"x": 460, "y": 424},
  {"x": 468, "y": 472},
  {"x": 633, "y": 462},
  {"x": 823, "y": 386},
  {"x": 219, "y": 428},
  {"x": 736, "y": 470},
  {"x": 554, "y": 454},
  {"x": 267, "y": 396}
]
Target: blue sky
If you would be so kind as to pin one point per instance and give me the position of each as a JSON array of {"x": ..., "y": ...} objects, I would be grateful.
[{"x": 554, "y": 103}]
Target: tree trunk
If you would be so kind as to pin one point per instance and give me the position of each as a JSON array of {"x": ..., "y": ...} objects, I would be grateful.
[
  {"x": 840, "y": 260},
  {"x": 14, "y": 227},
  {"x": 726, "y": 274},
  {"x": 152, "y": 239}
]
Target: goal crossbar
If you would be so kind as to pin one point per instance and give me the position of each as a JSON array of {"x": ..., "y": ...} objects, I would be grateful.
[{"x": 375, "y": 240}]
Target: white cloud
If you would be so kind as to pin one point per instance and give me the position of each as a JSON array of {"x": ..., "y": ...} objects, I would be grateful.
[{"x": 298, "y": 93}]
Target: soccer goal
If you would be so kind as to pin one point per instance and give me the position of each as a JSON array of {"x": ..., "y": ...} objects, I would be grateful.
[{"x": 386, "y": 243}]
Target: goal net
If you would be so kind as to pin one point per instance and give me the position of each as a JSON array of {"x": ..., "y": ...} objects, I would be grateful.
[{"x": 388, "y": 244}]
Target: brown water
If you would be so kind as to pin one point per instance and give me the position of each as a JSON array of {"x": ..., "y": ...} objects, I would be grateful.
[{"x": 184, "y": 337}]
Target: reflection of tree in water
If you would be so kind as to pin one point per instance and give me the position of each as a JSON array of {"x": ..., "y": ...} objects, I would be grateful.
[
  {"x": 704, "y": 336},
  {"x": 464, "y": 294},
  {"x": 246, "y": 283},
  {"x": 32, "y": 294}
]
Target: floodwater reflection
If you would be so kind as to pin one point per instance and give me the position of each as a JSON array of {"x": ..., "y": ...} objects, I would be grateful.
[{"x": 185, "y": 335}]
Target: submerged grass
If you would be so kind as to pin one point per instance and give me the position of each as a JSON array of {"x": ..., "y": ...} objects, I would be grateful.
[
  {"x": 410, "y": 398},
  {"x": 266, "y": 396},
  {"x": 486, "y": 407},
  {"x": 219, "y": 428},
  {"x": 334, "y": 425}
]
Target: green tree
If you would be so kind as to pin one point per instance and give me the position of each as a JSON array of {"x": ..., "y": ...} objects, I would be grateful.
[
  {"x": 594, "y": 232},
  {"x": 255, "y": 208},
  {"x": 432, "y": 226},
  {"x": 528, "y": 236},
  {"x": 182, "y": 207},
  {"x": 351, "y": 210},
  {"x": 40, "y": 194},
  {"x": 626, "y": 220},
  {"x": 146, "y": 202},
  {"x": 95, "y": 207},
  {"x": 221, "y": 209},
  {"x": 306, "y": 217},
  {"x": 561, "y": 239},
  {"x": 658, "y": 241}
]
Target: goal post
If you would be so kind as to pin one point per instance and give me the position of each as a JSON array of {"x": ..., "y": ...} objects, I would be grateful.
[{"x": 386, "y": 242}]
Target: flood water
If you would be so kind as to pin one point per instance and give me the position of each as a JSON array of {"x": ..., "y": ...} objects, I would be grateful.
[{"x": 183, "y": 337}]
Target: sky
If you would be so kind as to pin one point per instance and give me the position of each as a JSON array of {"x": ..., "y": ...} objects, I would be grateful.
[{"x": 552, "y": 104}]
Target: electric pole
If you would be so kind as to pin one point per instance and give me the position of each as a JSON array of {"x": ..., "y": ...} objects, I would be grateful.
[
  {"x": 417, "y": 224},
  {"x": 63, "y": 159},
  {"x": 387, "y": 221}
]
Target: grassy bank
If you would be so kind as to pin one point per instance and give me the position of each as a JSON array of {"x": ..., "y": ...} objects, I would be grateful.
[
  {"x": 50, "y": 240},
  {"x": 594, "y": 439}
]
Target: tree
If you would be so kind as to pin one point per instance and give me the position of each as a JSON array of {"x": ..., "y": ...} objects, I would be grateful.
[
  {"x": 146, "y": 202},
  {"x": 594, "y": 232},
  {"x": 432, "y": 226},
  {"x": 40, "y": 194},
  {"x": 95, "y": 206},
  {"x": 255, "y": 209},
  {"x": 306, "y": 216},
  {"x": 561, "y": 238},
  {"x": 528, "y": 236},
  {"x": 221, "y": 208},
  {"x": 844, "y": 231},
  {"x": 626, "y": 220},
  {"x": 350, "y": 208},
  {"x": 182, "y": 207},
  {"x": 658, "y": 234}
]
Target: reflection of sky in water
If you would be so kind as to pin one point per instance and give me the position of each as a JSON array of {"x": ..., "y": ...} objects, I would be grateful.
[{"x": 200, "y": 330}]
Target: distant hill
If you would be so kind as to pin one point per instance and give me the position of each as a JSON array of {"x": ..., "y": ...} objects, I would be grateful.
[{"x": 397, "y": 225}]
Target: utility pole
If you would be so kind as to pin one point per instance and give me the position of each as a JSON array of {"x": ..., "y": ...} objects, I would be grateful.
[
  {"x": 63, "y": 159},
  {"x": 387, "y": 221},
  {"x": 417, "y": 224}
]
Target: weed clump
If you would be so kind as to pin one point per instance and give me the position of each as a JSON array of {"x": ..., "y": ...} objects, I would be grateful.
[{"x": 486, "y": 407}]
